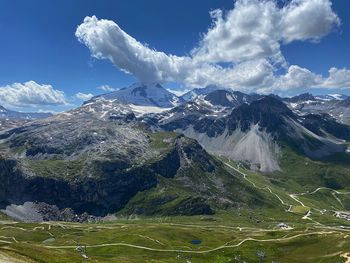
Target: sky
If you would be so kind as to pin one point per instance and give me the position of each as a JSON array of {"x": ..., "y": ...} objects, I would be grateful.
[{"x": 56, "y": 54}]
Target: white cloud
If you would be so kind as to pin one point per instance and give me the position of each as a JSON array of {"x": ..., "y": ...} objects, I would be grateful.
[
  {"x": 106, "y": 88},
  {"x": 84, "y": 96},
  {"x": 30, "y": 94},
  {"x": 245, "y": 76},
  {"x": 249, "y": 31},
  {"x": 295, "y": 78},
  {"x": 254, "y": 29},
  {"x": 308, "y": 19},
  {"x": 247, "y": 39},
  {"x": 106, "y": 40},
  {"x": 338, "y": 78}
]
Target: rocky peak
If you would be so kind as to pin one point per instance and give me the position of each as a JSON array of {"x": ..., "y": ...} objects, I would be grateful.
[{"x": 301, "y": 97}]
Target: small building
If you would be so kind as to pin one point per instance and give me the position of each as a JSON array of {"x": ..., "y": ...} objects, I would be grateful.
[{"x": 283, "y": 226}]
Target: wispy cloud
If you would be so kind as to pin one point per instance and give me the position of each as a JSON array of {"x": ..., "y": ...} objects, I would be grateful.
[
  {"x": 84, "y": 96},
  {"x": 106, "y": 88}
]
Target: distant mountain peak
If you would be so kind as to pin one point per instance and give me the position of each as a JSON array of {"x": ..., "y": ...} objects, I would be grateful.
[
  {"x": 10, "y": 114},
  {"x": 302, "y": 97},
  {"x": 188, "y": 96},
  {"x": 144, "y": 94},
  {"x": 330, "y": 97},
  {"x": 227, "y": 98}
]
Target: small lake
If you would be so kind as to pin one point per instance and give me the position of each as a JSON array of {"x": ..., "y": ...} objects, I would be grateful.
[{"x": 196, "y": 242}]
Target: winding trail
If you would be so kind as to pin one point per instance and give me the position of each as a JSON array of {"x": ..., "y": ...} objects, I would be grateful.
[
  {"x": 254, "y": 185},
  {"x": 334, "y": 193},
  {"x": 152, "y": 239},
  {"x": 295, "y": 196},
  {"x": 196, "y": 251}
]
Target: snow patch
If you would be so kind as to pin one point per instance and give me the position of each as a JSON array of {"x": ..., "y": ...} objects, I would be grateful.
[
  {"x": 230, "y": 98},
  {"x": 337, "y": 96},
  {"x": 142, "y": 110},
  {"x": 294, "y": 105}
]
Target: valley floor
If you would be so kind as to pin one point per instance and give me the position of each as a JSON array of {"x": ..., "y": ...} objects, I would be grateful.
[
  {"x": 147, "y": 241},
  {"x": 300, "y": 230}
]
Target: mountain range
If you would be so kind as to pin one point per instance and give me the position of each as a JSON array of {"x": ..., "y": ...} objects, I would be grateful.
[
  {"x": 10, "y": 114},
  {"x": 11, "y": 119},
  {"x": 143, "y": 150}
]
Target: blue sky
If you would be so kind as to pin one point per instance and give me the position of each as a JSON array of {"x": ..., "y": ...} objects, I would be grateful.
[{"x": 38, "y": 43}]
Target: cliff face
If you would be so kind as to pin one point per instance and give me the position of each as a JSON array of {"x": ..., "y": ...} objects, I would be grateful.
[{"x": 11, "y": 184}]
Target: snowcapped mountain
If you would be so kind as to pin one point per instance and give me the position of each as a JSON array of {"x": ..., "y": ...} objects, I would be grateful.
[
  {"x": 227, "y": 98},
  {"x": 229, "y": 123},
  {"x": 144, "y": 95},
  {"x": 329, "y": 97},
  {"x": 308, "y": 97},
  {"x": 9, "y": 114},
  {"x": 254, "y": 132},
  {"x": 335, "y": 105},
  {"x": 215, "y": 104},
  {"x": 188, "y": 96},
  {"x": 304, "y": 97}
]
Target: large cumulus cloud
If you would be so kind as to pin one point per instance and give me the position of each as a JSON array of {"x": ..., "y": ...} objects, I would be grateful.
[
  {"x": 31, "y": 94},
  {"x": 247, "y": 39}
]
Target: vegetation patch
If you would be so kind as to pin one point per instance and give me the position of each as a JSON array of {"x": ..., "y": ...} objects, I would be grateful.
[
  {"x": 298, "y": 209},
  {"x": 57, "y": 168}
]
